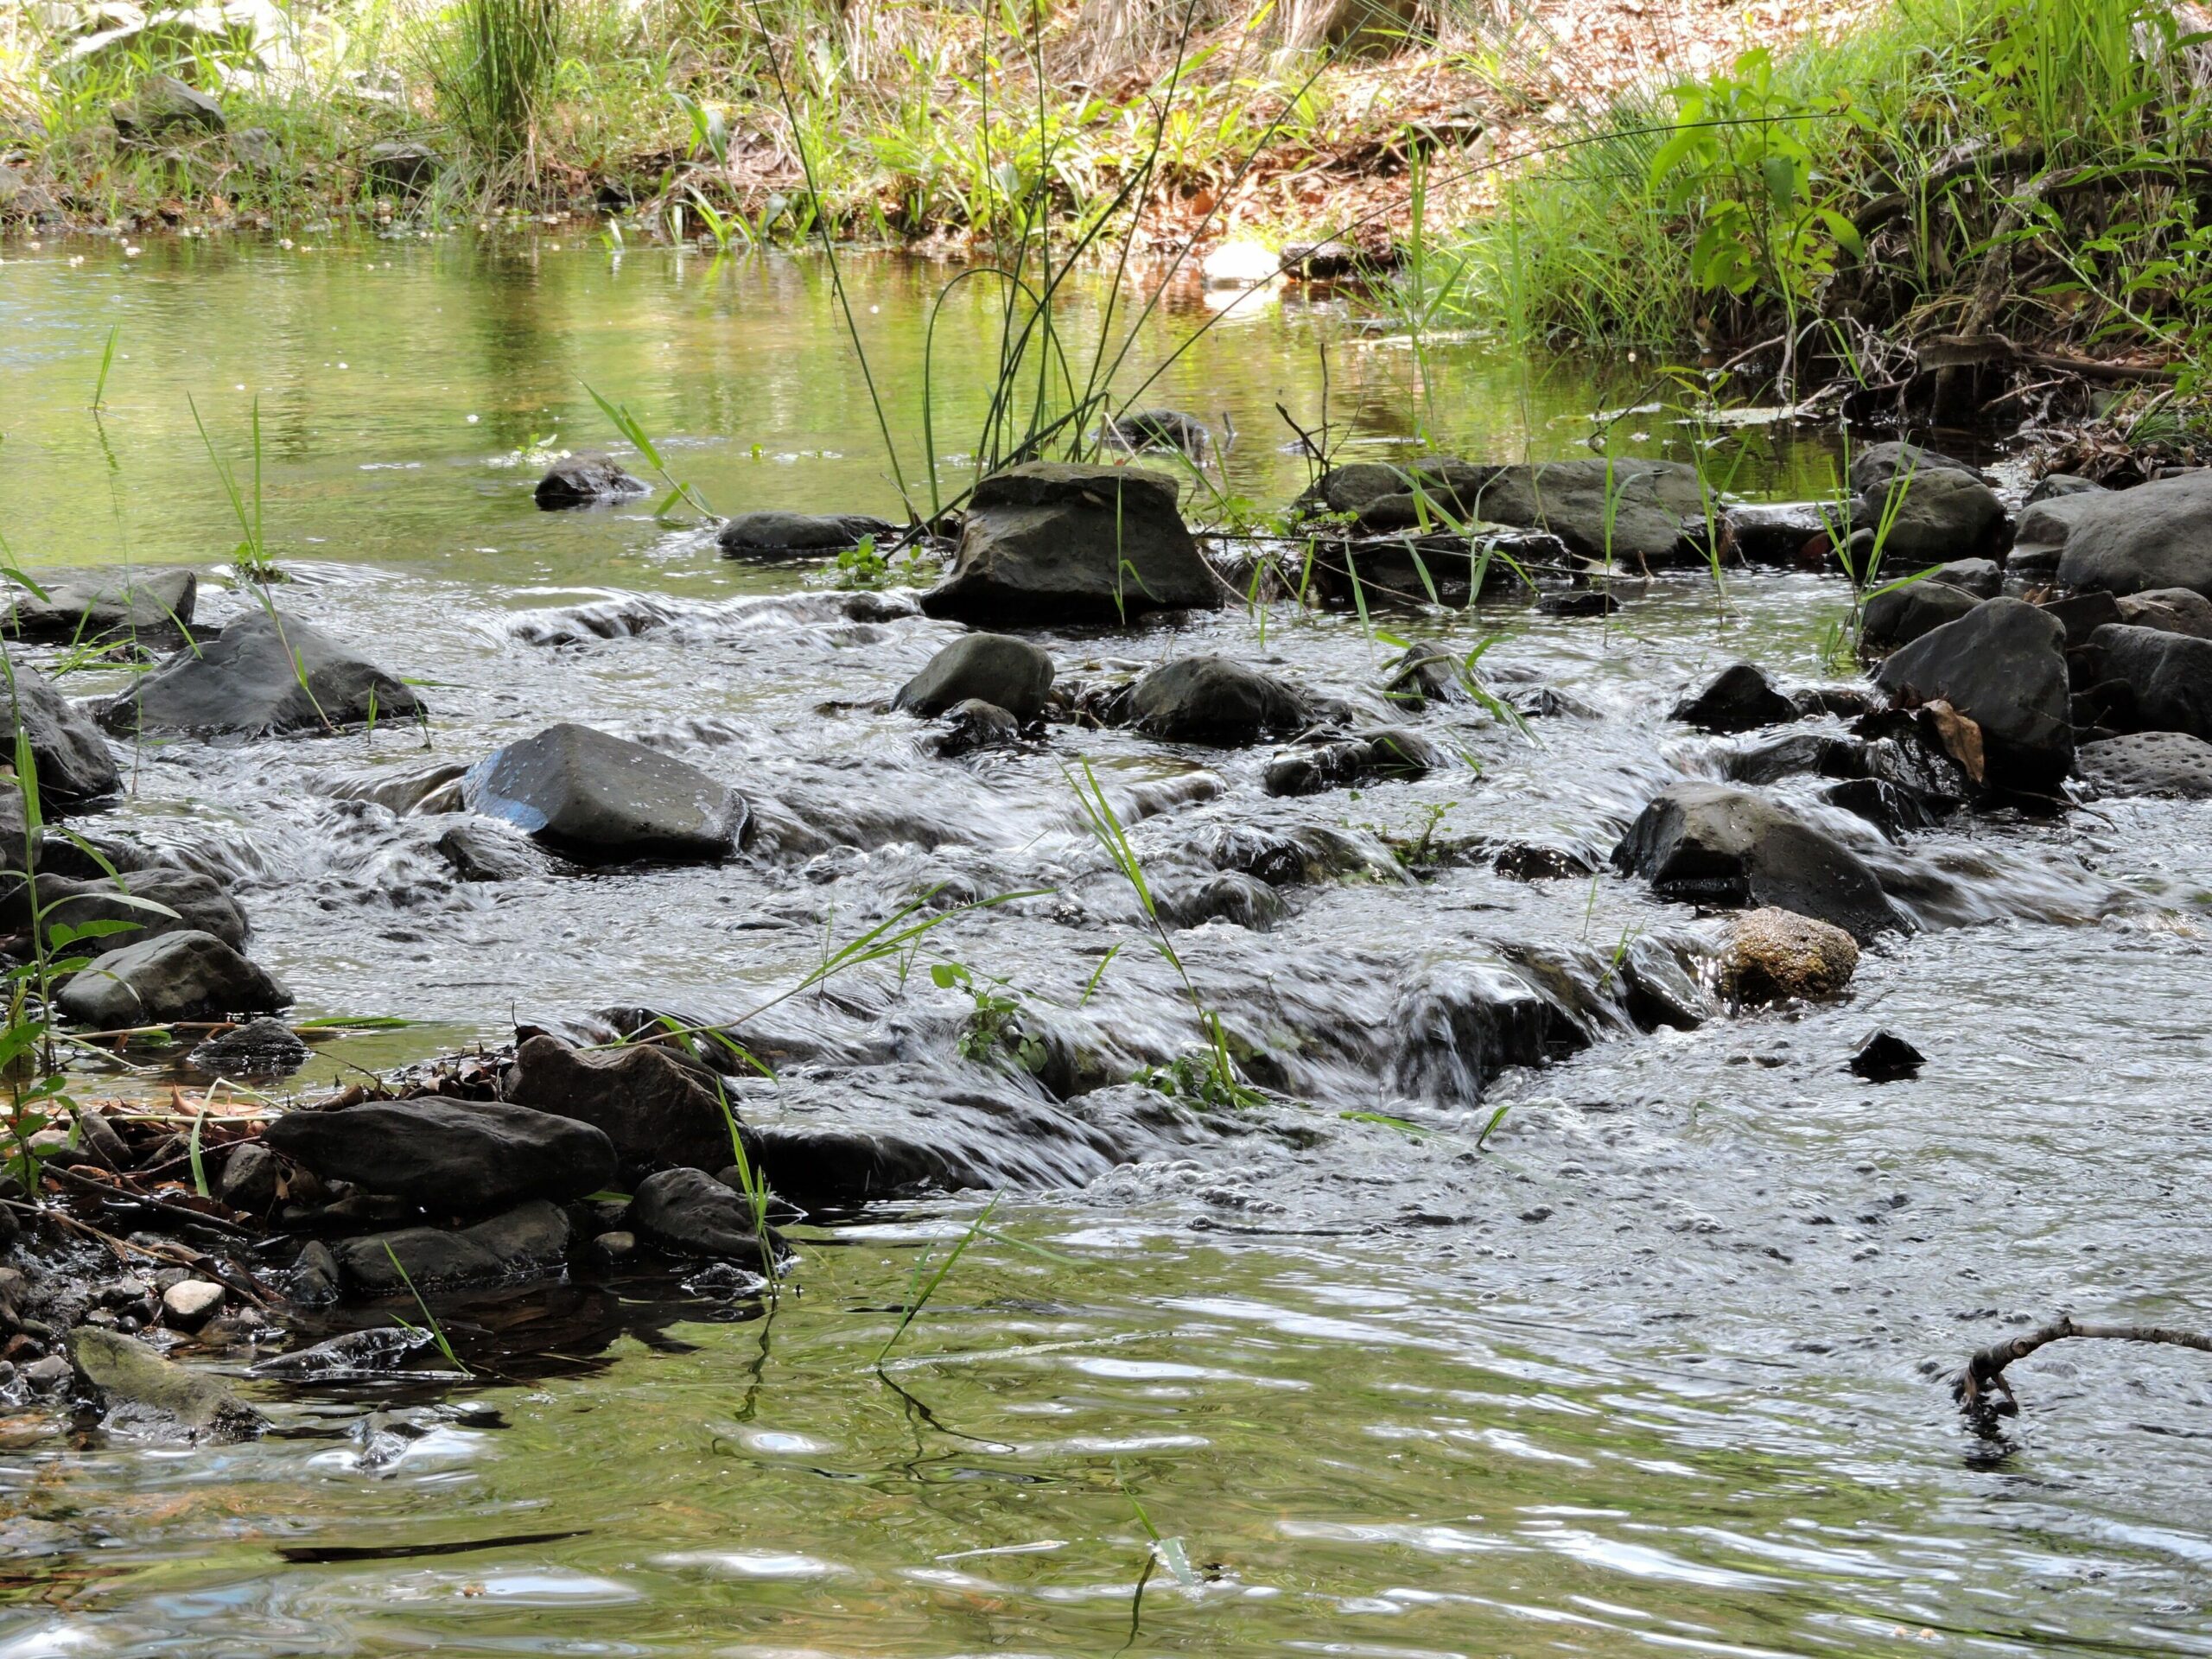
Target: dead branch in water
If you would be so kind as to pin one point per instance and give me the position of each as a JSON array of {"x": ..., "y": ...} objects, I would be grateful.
[{"x": 1977, "y": 1386}]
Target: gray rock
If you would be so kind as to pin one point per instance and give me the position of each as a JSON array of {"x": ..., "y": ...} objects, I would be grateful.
[
  {"x": 1778, "y": 532},
  {"x": 1051, "y": 543},
  {"x": 2169, "y": 763},
  {"x": 2174, "y": 610},
  {"x": 73, "y": 763},
  {"x": 772, "y": 534},
  {"x": 1319, "y": 767},
  {"x": 190, "y": 1303},
  {"x": 2002, "y": 666},
  {"x": 2157, "y": 535},
  {"x": 1231, "y": 896},
  {"x": 1161, "y": 429},
  {"x": 1459, "y": 1023},
  {"x": 148, "y": 903},
  {"x": 1710, "y": 844},
  {"x": 581, "y": 480},
  {"x": 1663, "y": 990},
  {"x": 994, "y": 668},
  {"x": 1872, "y": 468},
  {"x": 184, "y": 976},
  {"x": 489, "y": 852},
  {"x": 1213, "y": 700},
  {"x": 141, "y": 1389},
  {"x": 2039, "y": 537},
  {"x": 400, "y": 167},
  {"x": 2168, "y": 677},
  {"x": 1943, "y": 515},
  {"x": 1898, "y": 616},
  {"x": 658, "y": 1109},
  {"x": 257, "y": 149},
  {"x": 601, "y": 798},
  {"x": 1650, "y": 501},
  {"x": 525, "y": 1244},
  {"x": 249, "y": 1178},
  {"x": 260, "y": 1048},
  {"x": 265, "y": 673},
  {"x": 1980, "y": 577},
  {"x": 165, "y": 105},
  {"x": 452, "y": 1157},
  {"x": 154, "y": 606},
  {"x": 688, "y": 1211},
  {"x": 2082, "y": 614},
  {"x": 1740, "y": 698},
  {"x": 973, "y": 724},
  {"x": 2052, "y": 486}
]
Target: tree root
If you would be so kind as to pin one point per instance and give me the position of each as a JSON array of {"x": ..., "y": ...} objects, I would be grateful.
[{"x": 1982, "y": 1391}]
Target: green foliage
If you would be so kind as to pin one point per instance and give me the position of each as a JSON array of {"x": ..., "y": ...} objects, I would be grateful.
[
  {"x": 491, "y": 64},
  {"x": 993, "y": 1028}
]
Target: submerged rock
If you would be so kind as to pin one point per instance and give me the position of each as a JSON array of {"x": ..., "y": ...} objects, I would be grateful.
[
  {"x": 658, "y": 1109},
  {"x": 524, "y": 1243},
  {"x": 1459, "y": 1023},
  {"x": 2002, "y": 666},
  {"x": 1323, "y": 766},
  {"x": 1740, "y": 698},
  {"x": 1778, "y": 532},
  {"x": 1161, "y": 429},
  {"x": 73, "y": 763},
  {"x": 489, "y": 852},
  {"x": 2166, "y": 677},
  {"x": 141, "y": 1389},
  {"x": 580, "y": 481},
  {"x": 452, "y": 1157},
  {"x": 153, "y": 606},
  {"x": 1710, "y": 844},
  {"x": 1213, "y": 700},
  {"x": 263, "y": 674},
  {"x": 1051, "y": 543},
  {"x": 259, "y": 1048},
  {"x": 2169, "y": 764},
  {"x": 182, "y": 975},
  {"x": 353, "y": 1356},
  {"x": 691, "y": 1213},
  {"x": 975, "y": 725},
  {"x": 2157, "y": 535},
  {"x": 1777, "y": 956},
  {"x": 773, "y": 534},
  {"x": 1886, "y": 1057},
  {"x": 1230, "y": 896},
  {"x": 994, "y": 668},
  {"x": 601, "y": 798}
]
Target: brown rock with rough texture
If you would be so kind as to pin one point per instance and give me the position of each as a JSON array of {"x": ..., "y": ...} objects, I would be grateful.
[
  {"x": 1777, "y": 956},
  {"x": 659, "y": 1110}
]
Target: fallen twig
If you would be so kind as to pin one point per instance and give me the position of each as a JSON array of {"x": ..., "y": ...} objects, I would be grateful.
[{"x": 1984, "y": 1376}]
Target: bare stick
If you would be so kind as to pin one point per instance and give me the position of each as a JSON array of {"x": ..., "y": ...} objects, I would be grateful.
[{"x": 1985, "y": 1372}]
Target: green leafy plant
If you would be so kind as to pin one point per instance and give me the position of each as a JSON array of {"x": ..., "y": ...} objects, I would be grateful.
[
  {"x": 634, "y": 431},
  {"x": 994, "y": 1026}
]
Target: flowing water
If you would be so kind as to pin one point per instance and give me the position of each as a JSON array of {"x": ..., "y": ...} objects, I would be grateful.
[{"x": 1652, "y": 1366}]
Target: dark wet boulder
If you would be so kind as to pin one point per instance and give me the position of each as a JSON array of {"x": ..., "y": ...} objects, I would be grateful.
[
  {"x": 601, "y": 799},
  {"x": 2052, "y": 486},
  {"x": 1452, "y": 485},
  {"x": 1943, "y": 516},
  {"x": 265, "y": 673},
  {"x": 1782, "y": 533},
  {"x": 1161, "y": 429},
  {"x": 1208, "y": 699},
  {"x": 1889, "y": 807},
  {"x": 480, "y": 851},
  {"x": 1886, "y": 1057},
  {"x": 1790, "y": 755},
  {"x": 183, "y": 976},
  {"x": 1050, "y": 542},
  {"x": 1585, "y": 602},
  {"x": 1777, "y": 956},
  {"x": 1740, "y": 698},
  {"x": 579, "y": 480},
  {"x": 1426, "y": 674},
  {"x": 1318, "y": 767},
  {"x": 2173, "y": 765},
  {"x": 2082, "y": 614},
  {"x": 772, "y": 533},
  {"x": 1457, "y": 1024},
  {"x": 73, "y": 762},
  {"x": 249, "y": 1178},
  {"x": 164, "y": 106},
  {"x": 2171, "y": 610},
  {"x": 2002, "y": 666},
  {"x": 1980, "y": 577},
  {"x": 1633, "y": 513},
  {"x": 452, "y": 1157},
  {"x": 154, "y": 606},
  {"x": 401, "y": 166},
  {"x": 1663, "y": 988},
  {"x": 974, "y": 725},
  {"x": 659, "y": 1108},
  {"x": 994, "y": 668},
  {"x": 1710, "y": 844},
  {"x": 2157, "y": 535},
  {"x": 144, "y": 1393},
  {"x": 148, "y": 902},
  {"x": 526, "y": 1242},
  {"x": 1898, "y": 616},
  {"x": 1877, "y": 465},
  {"x": 2039, "y": 537},
  {"x": 691, "y": 1213},
  {"x": 260, "y": 1048},
  {"x": 2167, "y": 677},
  {"x": 1230, "y": 896}
]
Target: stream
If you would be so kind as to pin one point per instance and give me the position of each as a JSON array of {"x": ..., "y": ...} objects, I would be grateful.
[{"x": 1650, "y": 1360}]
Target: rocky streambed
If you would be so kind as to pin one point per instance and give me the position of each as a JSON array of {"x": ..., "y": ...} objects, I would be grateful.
[{"x": 1115, "y": 849}]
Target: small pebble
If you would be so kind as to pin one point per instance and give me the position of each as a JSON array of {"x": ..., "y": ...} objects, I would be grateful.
[{"x": 191, "y": 1304}]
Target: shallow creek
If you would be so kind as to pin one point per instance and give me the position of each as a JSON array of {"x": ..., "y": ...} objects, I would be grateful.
[{"x": 1650, "y": 1368}]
